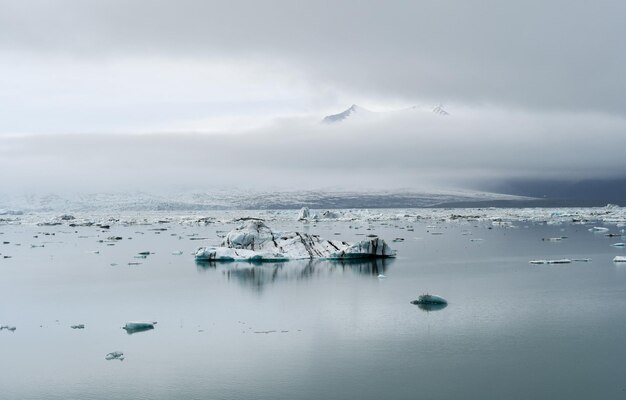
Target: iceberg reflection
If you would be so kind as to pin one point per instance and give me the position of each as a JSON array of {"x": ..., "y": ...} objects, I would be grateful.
[{"x": 258, "y": 275}]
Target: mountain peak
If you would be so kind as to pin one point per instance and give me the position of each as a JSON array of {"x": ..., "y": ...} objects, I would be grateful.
[
  {"x": 439, "y": 110},
  {"x": 353, "y": 109}
]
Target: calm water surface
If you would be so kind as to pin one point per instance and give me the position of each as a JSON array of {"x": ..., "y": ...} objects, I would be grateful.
[{"x": 313, "y": 330}]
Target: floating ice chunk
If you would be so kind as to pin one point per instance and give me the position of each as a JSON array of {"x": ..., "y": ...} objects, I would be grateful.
[
  {"x": 555, "y": 239},
  {"x": 138, "y": 326},
  {"x": 330, "y": 214},
  {"x": 429, "y": 299},
  {"x": 8, "y": 328},
  {"x": 599, "y": 229},
  {"x": 115, "y": 355},
  {"x": 561, "y": 261},
  {"x": 79, "y": 326},
  {"x": 255, "y": 241},
  {"x": 618, "y": 244},
  {"x": 304, "y": 214},
  {"x": 177, "y": 253},
  {"x": 381, "y": 276},
  {"x": 581, "y": 259},
  {"x": 619, "y": 259}
]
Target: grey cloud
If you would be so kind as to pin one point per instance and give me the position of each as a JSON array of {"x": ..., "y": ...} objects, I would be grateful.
[{"x": 556, "y": 55}]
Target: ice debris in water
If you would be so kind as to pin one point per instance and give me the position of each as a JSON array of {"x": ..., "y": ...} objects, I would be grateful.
[
  {"x": 555, "y": 239},
  {"x": 381, "y": 276},
  {"x": 618, "y": 244},
  {"x": 255, "y": 241},
  {"x": 8, "y": 328},
  {"x": 177, "y": 253},
  {"x": 599, "y": 229},
  {"x": 138, "y": 326},
  {"x": 619, "y": 259},
  {"x": 79, "y": 326},
  {"x": 561, "y": 261},
  {"x": 429, "y": 299},
  {"x": 304, "y": 214},
  {"x": 330, "y": 214},
  {"x": 115, "y": 355}
]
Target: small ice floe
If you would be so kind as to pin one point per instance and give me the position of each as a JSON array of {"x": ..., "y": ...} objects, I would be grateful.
[
  {"x": 581, "y": 259},
  {"x": 115, "y": 355},
  {"x": 177, "y": 253},
  {"x": 618, "y": 244},
  {"x": 398, "y": 239},
  {"x": 8, "y": 328},
  {"x": 304, "y": 214},
  {"x": 476, "y": 240},
  {"x": 430, "y": 302},
  {"x": 555, "y": 239},
  {"x": 138, "y": 326},
  {"x": 79, "y": 326},
  {"x": 612, "y": 235},
  {"x": 561, "y": 261},
  {"x": 330, "y": 214},
  {"x": 144, "y": 253},
  {"x": 619, "y": 259},
  {"x": 430, "y": 299},
  {"x": 381, "y": 276},
  {"x": 598, "y": 229}
]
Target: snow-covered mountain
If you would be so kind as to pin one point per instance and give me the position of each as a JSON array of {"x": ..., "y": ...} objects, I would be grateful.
[
  {"x": 357, "y": 112},
  {"x": 350, "y": 112},
  {"x": 439, "y": 110}
]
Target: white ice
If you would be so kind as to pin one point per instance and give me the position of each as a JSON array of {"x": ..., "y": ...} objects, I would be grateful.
[{"x": 255, "y": 241}]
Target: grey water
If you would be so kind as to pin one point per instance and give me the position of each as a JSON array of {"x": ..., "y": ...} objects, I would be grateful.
[{"x": 313, "y": 330}]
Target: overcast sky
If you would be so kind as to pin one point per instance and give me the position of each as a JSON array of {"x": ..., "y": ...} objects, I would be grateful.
[{"x": 234, "y": 91}]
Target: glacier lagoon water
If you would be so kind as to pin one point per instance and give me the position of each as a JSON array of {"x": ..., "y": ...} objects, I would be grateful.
[{"x": 311, "y": 330}]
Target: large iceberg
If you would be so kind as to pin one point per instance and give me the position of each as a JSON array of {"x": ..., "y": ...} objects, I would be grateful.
[{"x": 255, "y": 241}]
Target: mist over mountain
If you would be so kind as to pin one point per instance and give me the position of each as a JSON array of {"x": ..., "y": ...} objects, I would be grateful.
[
  {"x": 355, "y": 112},
  {"x": 555, "y": 192}
]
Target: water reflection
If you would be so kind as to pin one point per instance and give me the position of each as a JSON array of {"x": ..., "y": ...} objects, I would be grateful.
[
  {"x": 431, "y": 307},
  {"x": 259, "y": 275}
]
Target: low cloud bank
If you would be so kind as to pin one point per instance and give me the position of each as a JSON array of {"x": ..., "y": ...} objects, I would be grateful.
[{"x": 396, "y": 150}]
